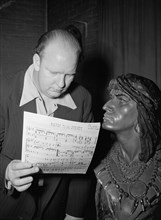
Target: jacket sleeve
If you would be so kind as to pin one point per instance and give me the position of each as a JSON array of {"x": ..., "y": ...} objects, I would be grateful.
[
  {"x": 78, "y": 195},
  {"x": 81, "y": 185},
  {"x": 87, "y": 108},
  {"x": 83, "y": 101},
  {"x": 4, "y": 161}
]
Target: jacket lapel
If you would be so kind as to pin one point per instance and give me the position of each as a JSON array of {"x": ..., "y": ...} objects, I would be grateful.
[
  {"x": 52, "y": 182},
  {"x": 64, "y": 112}
]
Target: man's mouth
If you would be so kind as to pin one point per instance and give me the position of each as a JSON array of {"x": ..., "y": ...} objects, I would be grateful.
[{"x": 55, "y": 90}]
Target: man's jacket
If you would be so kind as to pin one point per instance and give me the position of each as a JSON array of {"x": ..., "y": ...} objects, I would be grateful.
[{"x": 58, "y": 189}]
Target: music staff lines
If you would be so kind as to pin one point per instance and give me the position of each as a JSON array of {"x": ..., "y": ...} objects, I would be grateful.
[{"x": 49, "y": 136}]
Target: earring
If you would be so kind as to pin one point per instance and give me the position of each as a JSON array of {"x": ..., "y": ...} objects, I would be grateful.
[{"x": 137, "y": 129}]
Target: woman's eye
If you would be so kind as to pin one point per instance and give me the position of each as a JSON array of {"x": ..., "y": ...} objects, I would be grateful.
[{"x": 123, "y": 100}]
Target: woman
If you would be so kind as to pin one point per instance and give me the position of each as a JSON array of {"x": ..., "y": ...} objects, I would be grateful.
[{"x": 129, "y": 178}]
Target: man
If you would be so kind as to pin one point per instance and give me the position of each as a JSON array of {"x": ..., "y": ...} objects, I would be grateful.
[{"x": 46, "y": 88}]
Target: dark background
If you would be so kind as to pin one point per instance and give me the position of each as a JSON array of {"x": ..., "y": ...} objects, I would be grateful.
[{"x": 119, "y": 36}]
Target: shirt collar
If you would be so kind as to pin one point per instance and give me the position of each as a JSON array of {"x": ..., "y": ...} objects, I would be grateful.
[{"x": 30, "y": 92}]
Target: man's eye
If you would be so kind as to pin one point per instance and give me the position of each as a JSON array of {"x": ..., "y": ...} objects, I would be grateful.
[
  {"x": 70, "y": 76},
  {"x": 54, "y": 73}
]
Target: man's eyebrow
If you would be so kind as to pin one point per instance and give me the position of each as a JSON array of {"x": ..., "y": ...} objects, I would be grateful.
[{"x": 72, "y": 73}]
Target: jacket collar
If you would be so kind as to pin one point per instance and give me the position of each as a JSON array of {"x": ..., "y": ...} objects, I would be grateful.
[{"x": 30, "y": 92}]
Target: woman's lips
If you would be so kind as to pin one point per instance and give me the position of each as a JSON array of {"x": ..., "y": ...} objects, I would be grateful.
[{"x": 107, "y": 118}]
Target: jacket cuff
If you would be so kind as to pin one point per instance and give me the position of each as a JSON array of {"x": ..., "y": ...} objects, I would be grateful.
[{"x": 8, "y": 189}]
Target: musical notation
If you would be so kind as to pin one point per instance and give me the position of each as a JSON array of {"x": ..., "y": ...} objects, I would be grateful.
[{"x": 58, "y": 145}]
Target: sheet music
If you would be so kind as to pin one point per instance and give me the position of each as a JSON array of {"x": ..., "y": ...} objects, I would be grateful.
[{"x": 58, "y": 145}]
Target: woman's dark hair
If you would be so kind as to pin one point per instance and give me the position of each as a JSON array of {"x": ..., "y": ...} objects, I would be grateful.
[{"x": 147, "y": 95}]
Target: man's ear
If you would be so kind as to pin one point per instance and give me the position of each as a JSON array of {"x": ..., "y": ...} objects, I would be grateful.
[{"x": 36, "y": 62}]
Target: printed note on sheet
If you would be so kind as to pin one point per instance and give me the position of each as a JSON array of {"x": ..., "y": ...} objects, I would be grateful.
[{"x": 58, "y": 145}]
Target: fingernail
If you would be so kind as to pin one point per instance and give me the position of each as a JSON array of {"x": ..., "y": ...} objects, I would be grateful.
[{"x": 36, "y": 169}]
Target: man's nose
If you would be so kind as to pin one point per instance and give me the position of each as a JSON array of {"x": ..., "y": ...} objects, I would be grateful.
[{"x": 61, "y": 80}]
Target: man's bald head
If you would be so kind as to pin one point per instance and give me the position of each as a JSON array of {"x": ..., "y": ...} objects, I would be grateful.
[{"x": 62, "y": 37}]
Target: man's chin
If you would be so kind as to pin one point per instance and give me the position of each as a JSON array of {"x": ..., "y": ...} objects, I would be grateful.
[{"x": 54, "y": 95}]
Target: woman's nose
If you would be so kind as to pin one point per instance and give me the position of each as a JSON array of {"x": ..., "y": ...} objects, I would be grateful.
[
  {"x": 108, "y": 105},
  {"x": 105, "y": 106}
]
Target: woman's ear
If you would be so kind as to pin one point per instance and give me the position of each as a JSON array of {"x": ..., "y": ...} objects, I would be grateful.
[{"x": 36, "y": 62}]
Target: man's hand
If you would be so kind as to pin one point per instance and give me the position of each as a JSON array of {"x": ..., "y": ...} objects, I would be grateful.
[
  {"x": 69, "y": 217},
  {"x": 20, "y": 174}
]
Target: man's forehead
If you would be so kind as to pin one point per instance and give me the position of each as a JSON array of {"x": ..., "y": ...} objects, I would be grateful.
[
  {"x": 56, "y": 43},
  {"x": 59, "y": 46}
]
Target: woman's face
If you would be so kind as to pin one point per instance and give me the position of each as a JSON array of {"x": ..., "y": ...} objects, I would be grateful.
[{"x": 120, "y": 112}]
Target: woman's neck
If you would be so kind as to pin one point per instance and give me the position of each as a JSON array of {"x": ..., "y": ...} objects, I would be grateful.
[{"x": 130, "y": 146}]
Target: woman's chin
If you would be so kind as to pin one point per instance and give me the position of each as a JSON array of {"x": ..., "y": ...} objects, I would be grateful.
[{"x": 107, "y": 126}]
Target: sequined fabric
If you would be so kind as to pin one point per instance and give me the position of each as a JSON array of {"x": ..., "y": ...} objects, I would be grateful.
[
  {"x": 132, "y": 191},
  {"x": 120, "y": 196}
]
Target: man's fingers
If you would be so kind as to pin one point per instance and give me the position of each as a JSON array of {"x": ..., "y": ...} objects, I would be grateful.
[
  {"x": 18, "y": 165},
  {"x": 22, "y": 181},
  {"x": 23, "y": 188},
  {"x": 20, "y": 174},
  {"x": 14, "y": 174}
]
